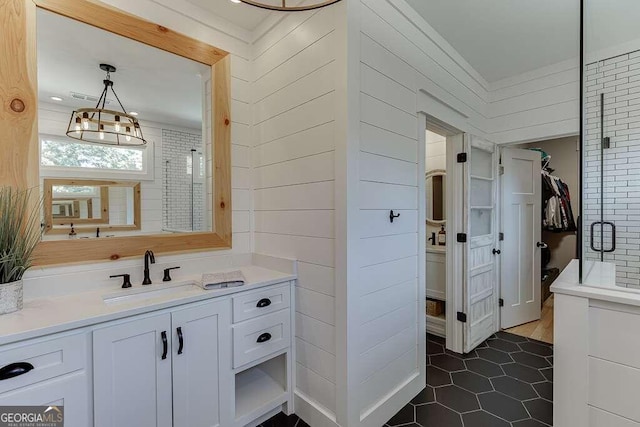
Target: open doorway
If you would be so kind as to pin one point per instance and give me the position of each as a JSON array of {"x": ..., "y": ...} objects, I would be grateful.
[{"x": 555, "y": 232}]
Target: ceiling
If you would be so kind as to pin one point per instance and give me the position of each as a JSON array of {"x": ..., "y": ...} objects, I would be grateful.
[
  {"x": 161, "y": 86},
  {"x": 506, "y": 38},
  {"x": 240, "y": 14}
]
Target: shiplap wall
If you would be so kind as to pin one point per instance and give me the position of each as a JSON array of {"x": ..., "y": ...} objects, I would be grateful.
[
  {"x": 537, "y": 105},
  {"x": 294, "y": 79}
]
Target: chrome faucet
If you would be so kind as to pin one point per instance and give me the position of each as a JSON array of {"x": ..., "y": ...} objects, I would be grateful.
[{"x": 148, "y": 256}]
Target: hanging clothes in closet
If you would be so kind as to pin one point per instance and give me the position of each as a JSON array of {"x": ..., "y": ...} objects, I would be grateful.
[
  {"x": 557, "y": 214},
  {"x": 556, "y": 203}
]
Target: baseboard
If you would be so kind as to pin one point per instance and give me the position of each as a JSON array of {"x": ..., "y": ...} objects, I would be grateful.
[
  {"x": 394, "y": 402},
  {"x": 312, "y": 413}
]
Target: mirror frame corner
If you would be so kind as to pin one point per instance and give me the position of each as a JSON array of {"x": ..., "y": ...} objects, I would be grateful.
[{"x": 19, "y": 124}]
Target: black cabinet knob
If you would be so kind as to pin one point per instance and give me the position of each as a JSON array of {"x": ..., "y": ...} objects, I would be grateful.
[
  {"x": 15, "y": 370},
  {"x": 264, "y": 302},
  {"x": 264, "y": 337}
]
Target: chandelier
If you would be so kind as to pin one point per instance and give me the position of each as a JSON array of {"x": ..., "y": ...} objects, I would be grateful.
[
  {"x": 281, "y": 5},
  {"x": 101, "y": 126}
]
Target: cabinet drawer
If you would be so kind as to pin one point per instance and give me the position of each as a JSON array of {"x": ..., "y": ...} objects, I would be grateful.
[
  {"x": 254, "y": 304},
  {"x": 261, "y": 336},
  {"x": 49, "y": 358}
]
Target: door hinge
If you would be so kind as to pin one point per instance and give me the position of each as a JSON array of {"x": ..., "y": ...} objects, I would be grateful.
[
  {"x": 606, "y": 142},
  {"x": 462, "y": 157},
  {"x": 501, "y": 237},
  {"x": 461, "y": 237},
  {"x": 462, "y": 317},
  {"x": 501, "y": 170},
  {"x": 501, "y": 302}
]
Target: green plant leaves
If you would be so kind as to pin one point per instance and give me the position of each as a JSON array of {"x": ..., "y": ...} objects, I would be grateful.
[{"x": 20, "y": 232}]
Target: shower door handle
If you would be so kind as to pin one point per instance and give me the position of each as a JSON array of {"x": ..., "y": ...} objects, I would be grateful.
[{"x": 613, "y": 236}]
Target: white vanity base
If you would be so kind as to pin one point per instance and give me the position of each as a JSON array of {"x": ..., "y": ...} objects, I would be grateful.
[{"x": 596, "y": 353}]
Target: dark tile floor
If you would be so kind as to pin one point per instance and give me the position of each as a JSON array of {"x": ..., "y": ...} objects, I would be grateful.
[{"x": 506, "y": 382}]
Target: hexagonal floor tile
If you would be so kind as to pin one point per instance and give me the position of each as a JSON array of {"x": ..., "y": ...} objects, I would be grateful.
[
  {"x": 447, "y": 363},
  {"x": 436, "y": 339},
  {"x": 435, "y": 414},
  {"x": 471, "y": 381},
  {"x": 470, "y": 355},
  {"x": 529, "y": 423},
  {"x": 531, "y": 360},
  {"x": 545, "y": 390},
  {"x": 548, "y": 373},
  {"x": 425, "y": 396},
  {"x": 405, "y": 416},
  {"x": 535, "y": 348},
  {"x": 453, "y": 397},
  {"x": 503, "y": 406},
  {"x": 503, "y": 345},
  {"x": 483, "y": 419},
  {"x": 523, "y": 373},
  {"x": 493, "y": 355},
  {"x": 434, "y": 348},
  {"x": 510, "y": 337},
  {"x": 513, "y": 388},
  {"x": 484, "y": 368},
  {"x": 437, "y": 377},
  {"x": 541, "y": 410}
]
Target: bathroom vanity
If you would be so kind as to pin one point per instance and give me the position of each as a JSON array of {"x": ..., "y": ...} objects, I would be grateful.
[
  {"x": 597, "y": 351},
  {"x": 167, "y": 354}
]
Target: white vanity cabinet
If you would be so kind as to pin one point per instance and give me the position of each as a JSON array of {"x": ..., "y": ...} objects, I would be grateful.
[{"x": 165, "y": 369}]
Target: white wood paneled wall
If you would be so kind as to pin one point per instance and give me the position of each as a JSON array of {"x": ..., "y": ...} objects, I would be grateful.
[{"x": 293, "y": 158}]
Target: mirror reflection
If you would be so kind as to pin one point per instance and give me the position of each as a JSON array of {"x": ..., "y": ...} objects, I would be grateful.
[
  {"x": 436, "y": 192},
  {"x": 115, "y": 110}
]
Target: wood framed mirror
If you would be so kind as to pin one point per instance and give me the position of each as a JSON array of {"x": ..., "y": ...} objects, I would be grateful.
[
  {"x": 90, "y": 206},
  {"x": 20, "y": 139},
  {"x": 435, "y": 186}
]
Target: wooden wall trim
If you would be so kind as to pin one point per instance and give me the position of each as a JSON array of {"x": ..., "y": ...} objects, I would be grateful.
[
  {"x": 19, "y": 148},
  {"x": 118, "y": 22}
]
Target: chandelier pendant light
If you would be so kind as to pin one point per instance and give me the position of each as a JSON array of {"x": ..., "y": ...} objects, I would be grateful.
[
  {"x": 281, "y": 5},
  {"x": 108, "y": 127}
]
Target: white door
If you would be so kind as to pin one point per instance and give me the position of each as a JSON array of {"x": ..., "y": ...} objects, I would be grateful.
[
  {"x": 132, "y": 373},
  {"x": 201, "y": 355},
  {"x": 521, "y": 225},
  {"x": 480, "y": 290}
]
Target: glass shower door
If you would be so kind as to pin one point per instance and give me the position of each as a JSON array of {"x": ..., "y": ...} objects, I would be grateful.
[{"x": 610, "y": 217}]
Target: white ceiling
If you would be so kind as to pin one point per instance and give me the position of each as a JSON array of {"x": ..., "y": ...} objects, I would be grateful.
[
  {"x": 240, "y": 14},
  {"x": 162, "y": 87},
  {"x": 506, "y": 38}
]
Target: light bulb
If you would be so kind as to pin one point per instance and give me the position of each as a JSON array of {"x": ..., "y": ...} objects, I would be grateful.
[
  {"x": 85, "y": 121},
  {"x": 128, "y": 137},
  {"x": 78, "y": 125},
  {"x": 116, "y": 126},
  {"x": 101, "y": 134}
]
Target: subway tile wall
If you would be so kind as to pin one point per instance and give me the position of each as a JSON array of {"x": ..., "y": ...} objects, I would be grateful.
[{"x": 619, "y": 79}]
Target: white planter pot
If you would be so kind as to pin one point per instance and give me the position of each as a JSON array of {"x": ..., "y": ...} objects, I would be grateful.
[{"x": 10, "y": 297}]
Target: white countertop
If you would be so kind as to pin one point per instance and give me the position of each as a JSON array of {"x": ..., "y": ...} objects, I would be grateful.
[
  {"x": 436, "y": 249},
  {"x": 56, "y": 314},
  {"x": 600, "y": 279}
]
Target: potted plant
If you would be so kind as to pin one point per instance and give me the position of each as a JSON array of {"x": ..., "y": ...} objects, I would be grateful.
[{"x": 20, "y": 233}]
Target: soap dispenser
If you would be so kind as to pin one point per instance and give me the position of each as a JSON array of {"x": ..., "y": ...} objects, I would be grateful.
[
  {"x": 72, "y": 233},
  {"x": 442, "y": 236}
]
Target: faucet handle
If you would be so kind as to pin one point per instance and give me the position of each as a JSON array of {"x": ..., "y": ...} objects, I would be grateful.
[
  {"x": 126, "y": 283},
  {"x": 167, "y": 276}
]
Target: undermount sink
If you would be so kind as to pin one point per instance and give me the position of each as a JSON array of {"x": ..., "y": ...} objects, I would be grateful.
[{"x": 148, "y": 292}]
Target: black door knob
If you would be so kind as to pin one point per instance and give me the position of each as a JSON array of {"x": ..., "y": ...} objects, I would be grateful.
[{"x": 497, "y": 252}]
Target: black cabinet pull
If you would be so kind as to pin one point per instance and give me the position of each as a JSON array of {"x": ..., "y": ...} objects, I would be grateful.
[
  {"x": 14, "y": 370},
  {"x": 264, "y": 302},
  {"x": 180, "y": 340},
  {"x": 264, "y": 337},
  {"x": 165, "y": 344}
]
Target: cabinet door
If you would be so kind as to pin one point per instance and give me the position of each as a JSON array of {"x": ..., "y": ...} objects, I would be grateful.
[
  {"x": 132, "y": 382},
  {"x": 70, "y": 391},
  {"x": 202, "y": 365}
]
